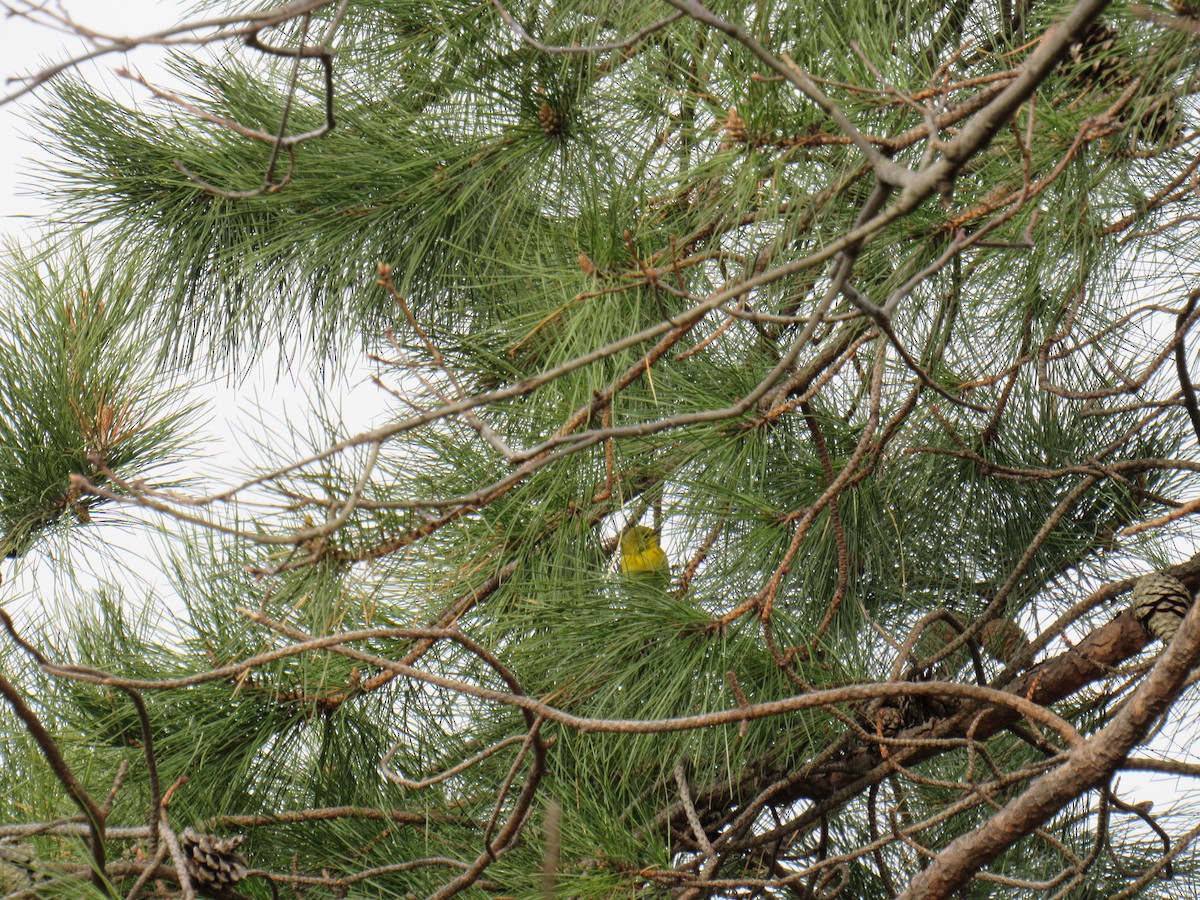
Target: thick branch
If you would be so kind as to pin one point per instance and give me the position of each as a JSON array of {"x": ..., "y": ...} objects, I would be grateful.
[{"x": 1087, "y": 766}]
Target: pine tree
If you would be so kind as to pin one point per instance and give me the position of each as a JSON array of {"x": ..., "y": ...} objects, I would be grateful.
[{"x": 879, "y": 314}]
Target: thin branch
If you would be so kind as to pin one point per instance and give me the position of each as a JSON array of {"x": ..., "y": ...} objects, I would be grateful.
[
  {"x": 62, "y": 771},
  {"x": 1182, "y": 323},
  {"x": 223, "y": 28}
]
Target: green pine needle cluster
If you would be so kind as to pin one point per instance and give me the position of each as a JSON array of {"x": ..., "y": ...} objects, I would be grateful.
[{"x": 82, "y": 393}]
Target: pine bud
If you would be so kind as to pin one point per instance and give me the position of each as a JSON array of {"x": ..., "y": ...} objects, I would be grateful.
[{"x": 549, "y": 120}]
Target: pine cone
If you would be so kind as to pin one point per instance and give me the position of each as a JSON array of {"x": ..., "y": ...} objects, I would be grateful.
[
  {"x": 889, "y": 720},
  {"x": 735, "y": 130},
  {"x": 1003, "y": 639},
  {"x": 213, "y": 862},
  {"x": 1092, "y": 62},
  {"x": 1160, "y": 602}
]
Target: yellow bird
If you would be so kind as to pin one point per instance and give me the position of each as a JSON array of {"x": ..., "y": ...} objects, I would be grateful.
[{"x": 642, "y": 556}]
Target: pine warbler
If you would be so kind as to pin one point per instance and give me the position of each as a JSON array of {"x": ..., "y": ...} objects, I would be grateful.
[{"x": 642, "y": 556}]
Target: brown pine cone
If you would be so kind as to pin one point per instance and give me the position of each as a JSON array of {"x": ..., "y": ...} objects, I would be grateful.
[
  {"x": 213, "y": 862},
  {"x": 1160, "y": 601}
]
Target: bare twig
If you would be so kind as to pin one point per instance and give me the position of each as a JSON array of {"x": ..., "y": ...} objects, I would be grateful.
[{"x": 220, "y": 28}]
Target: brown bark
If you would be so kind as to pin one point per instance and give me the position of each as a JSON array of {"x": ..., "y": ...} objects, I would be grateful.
[{"x": 1087, "y": 765}]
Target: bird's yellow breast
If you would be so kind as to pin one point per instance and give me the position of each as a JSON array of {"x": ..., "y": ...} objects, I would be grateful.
[{"x": 641, "y": 552}]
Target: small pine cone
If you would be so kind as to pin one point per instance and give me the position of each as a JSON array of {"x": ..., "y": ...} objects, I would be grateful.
[
  {"x": 1160, "y": 602},
  {"x": 212, "y": 861},
  {"x": 889, "y": 720},
  {"x": 1003, "y": 639},
  {"x": 1159, "y": 124},
  {"x": 940, "y": 634},
  {"x": 1092, "y": 61},
  {"x": 735, "y": 129},
  {"x": 932, "y": 642},
  {"x": 549, "y": 119}
]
